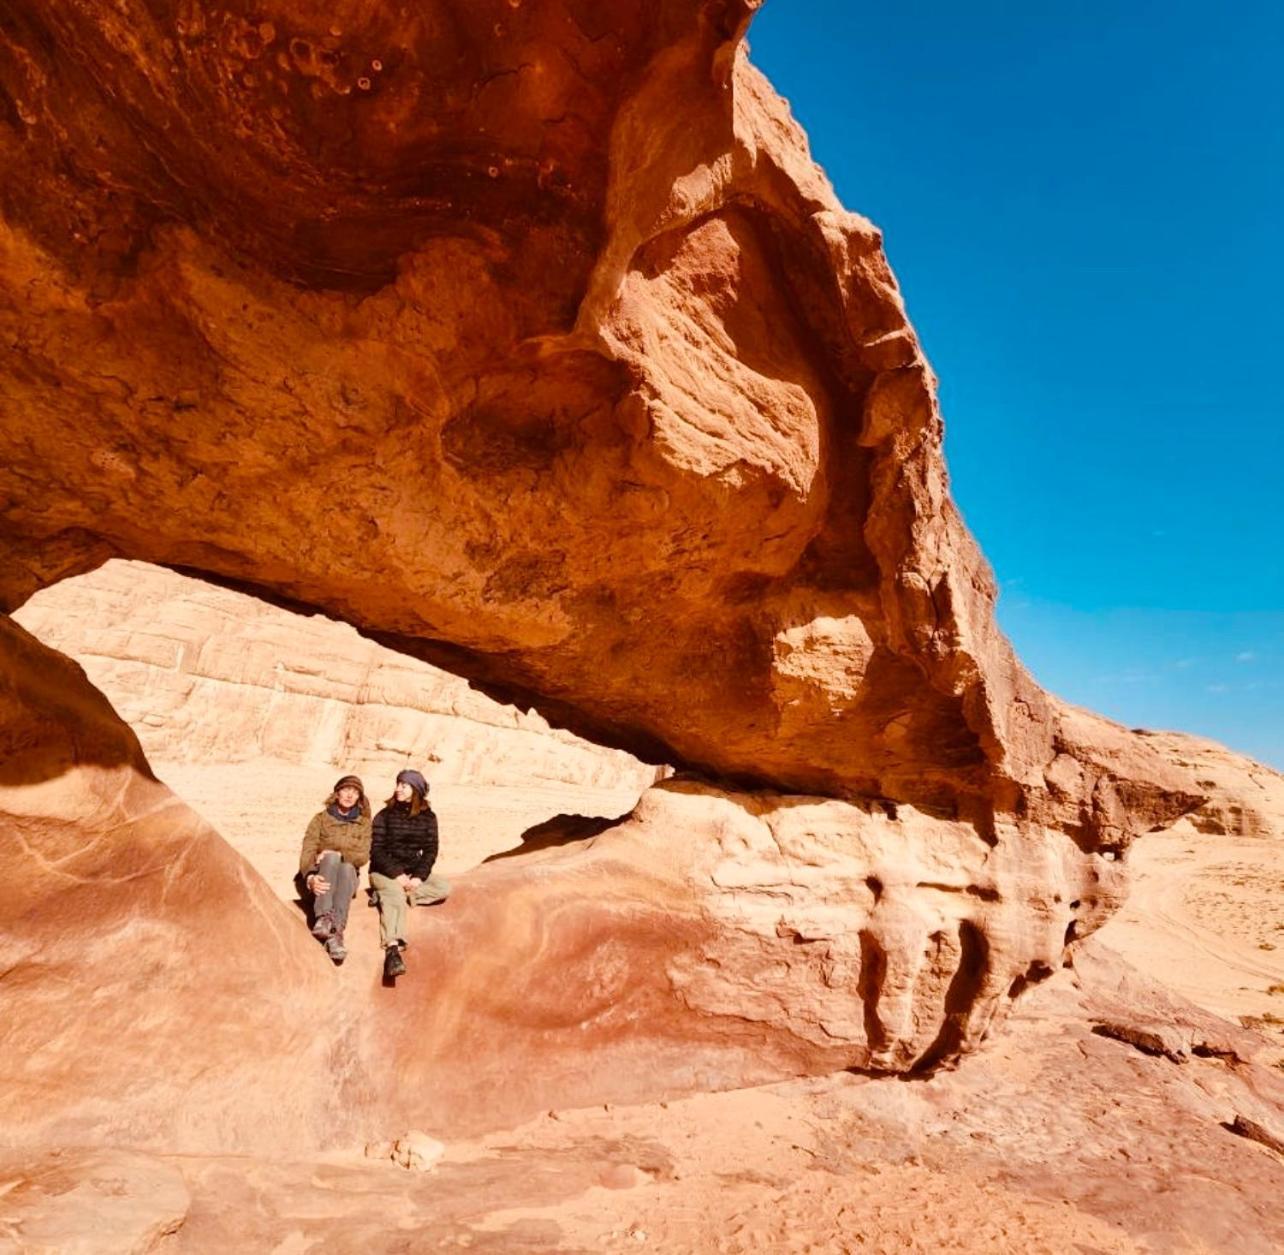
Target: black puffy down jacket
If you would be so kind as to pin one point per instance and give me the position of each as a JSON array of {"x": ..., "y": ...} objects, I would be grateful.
[{"x": 403, "y": 842}]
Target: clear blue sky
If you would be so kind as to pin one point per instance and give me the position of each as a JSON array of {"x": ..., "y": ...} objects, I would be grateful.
[{"x": 1084, "y": 205}]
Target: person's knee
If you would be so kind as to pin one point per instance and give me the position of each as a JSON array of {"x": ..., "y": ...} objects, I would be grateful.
[
  {"x": 330, "y": 860},
  {"x": 430, "y": 892}
]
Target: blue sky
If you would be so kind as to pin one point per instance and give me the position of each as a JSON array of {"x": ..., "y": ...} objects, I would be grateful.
[{"x": 1084, "y": 205}]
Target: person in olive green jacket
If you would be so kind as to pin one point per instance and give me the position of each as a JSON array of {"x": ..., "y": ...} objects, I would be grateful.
[{"x": 335, "y": 848}]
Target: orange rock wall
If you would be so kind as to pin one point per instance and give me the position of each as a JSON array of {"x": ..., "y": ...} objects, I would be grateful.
[{"x": 156, "y": 991}]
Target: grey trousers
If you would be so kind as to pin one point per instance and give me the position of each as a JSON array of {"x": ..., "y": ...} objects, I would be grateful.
[
  {"x": 335, "y": 901},
  {"x": 393, "y": 902}
]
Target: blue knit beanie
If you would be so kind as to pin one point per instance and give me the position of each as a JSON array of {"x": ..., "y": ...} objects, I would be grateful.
[{"x": 415, "y": 780}]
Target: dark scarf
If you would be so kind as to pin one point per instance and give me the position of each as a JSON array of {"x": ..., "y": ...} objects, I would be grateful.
[{"x": 344, "y": 817}]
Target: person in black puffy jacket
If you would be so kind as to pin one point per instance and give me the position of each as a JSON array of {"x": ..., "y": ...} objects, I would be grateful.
[{"x": 402, "y": 854}]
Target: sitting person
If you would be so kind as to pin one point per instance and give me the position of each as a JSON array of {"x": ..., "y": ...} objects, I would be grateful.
[
  {"x": 335, "y": 847},
  {"x": 401, "y": 861}
]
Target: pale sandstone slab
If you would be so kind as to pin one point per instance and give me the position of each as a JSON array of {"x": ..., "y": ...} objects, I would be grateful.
[{"x": 208, "y": 675}]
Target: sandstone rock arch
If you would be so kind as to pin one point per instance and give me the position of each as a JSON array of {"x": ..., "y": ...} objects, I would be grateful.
[{"x": 642, "y": 435}]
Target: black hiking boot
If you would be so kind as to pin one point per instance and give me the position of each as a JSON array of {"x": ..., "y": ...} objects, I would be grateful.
[
  {"x": 335, "y": 948},
  {"x": 323, "y": 927},
  {"x": 393, "y": 964}
]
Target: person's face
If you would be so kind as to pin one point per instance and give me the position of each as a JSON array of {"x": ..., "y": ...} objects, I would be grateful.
[
  {"x": 348, "y": 797},
  {"x": 402, "y": 792}
]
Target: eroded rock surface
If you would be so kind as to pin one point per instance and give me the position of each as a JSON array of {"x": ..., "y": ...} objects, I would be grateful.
[
  {"x": 155, "y": 991},
  {"x": 1244, "y": 798},
  {"x": 90, "y": 1202},
  {"x": 711, "y": 940},
  {"x": 1054, "y": 1138},
  {"x": 528, "y": 339},
  {"x": 1205, "y": 914}
]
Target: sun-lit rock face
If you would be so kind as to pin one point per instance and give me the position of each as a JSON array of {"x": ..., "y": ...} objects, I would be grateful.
[
  {"x": 208, "y": 675},
  {"x": 154, "y": 992},
  {"x": 1244, "y": 797},
  {"x": 712, "y": 940},
  {"x": 157, "y": 993},
  {"x": 528, "y": 339}
]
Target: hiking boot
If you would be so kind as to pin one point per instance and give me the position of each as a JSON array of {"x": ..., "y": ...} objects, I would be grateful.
[
  {"x": 323, "y": 929},
  {"x": 335, "y": 948},
  {"x": 393, "y": 964}
]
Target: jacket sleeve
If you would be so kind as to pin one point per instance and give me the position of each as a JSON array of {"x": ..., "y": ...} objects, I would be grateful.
[
  {"x": 359, "y": 855},
  {"x": 378, "y": 851},
  {"x": 423, "y": 868},
  {"x": 311, "y": 847}
]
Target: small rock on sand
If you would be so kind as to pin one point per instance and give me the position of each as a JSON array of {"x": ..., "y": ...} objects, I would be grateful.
[{"x": 418, "y": 1152}]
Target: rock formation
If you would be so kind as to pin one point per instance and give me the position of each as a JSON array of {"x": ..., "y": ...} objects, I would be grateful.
[
  {"x": 499, "y": 353},
  {"x": 207, "y": 675},
  {"x": 528, "y": 340},
  {"x": 715, "y": 939},
  {"x": 156, "y": 991},
  {"x": 90, "y": 1202},
  {"x": 1243, "y": 797}
]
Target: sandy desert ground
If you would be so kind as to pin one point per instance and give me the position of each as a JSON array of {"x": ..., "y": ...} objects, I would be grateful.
[{"x": 1206, "y": 919}]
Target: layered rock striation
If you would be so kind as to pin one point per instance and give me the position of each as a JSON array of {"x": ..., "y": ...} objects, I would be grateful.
[
  {"x": 207, "y": 675},
  {"x": 529, "y": 340}
]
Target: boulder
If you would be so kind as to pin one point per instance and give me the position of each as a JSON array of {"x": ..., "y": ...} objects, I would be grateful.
[
  {"x": 417, "y": 1152},
  {"x": 156, "y": 992}
]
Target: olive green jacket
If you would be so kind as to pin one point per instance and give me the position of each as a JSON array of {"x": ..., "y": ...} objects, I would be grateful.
[{"x": 352, "y": 840}]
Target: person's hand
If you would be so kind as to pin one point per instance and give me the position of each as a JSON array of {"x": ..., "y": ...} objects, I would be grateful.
[
  {"x": 414, "y": 880},
  {"x": 404, "y": 880},
  {"x": 318, "y": 884}
]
